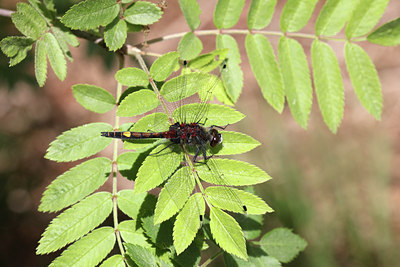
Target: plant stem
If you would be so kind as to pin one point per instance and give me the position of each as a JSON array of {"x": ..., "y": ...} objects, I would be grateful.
[
  {"x": 212, "y": 258},
  {"x": 114, "y": 169},
  {"x": 5, "y": 12}
]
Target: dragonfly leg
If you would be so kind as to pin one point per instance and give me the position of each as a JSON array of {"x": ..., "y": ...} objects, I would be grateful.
[
  {"x": 158, "y": 152},
  {"x": 219, "y": 127}
]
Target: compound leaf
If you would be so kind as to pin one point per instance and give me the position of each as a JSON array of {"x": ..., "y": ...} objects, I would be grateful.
[
  {"x": 55, "y": 55},
  {"x": 142, "y": 13},
  {"x": 79, "y": 142},
  {"x": 137, "y": 103},
  {"x": 75, "y": 222},
  {"x": 132, "y": 77},
  {"x": 296, "y": 77},
  {"x": 75, "y": 184},
  {"x": 295, "y": 14},
  {"x": 387, "y": 35},
  {"x": 227, "y": 13},
  {"x": 266, "y": 70},
  {"x": 232, "y": 173},
  {"x": 364, "y": 78},
  {"x": 89, "y": 250},
  {"x": 282, "y": 244},
  {"x": 163, "y": 67},
  {"x": 190, "y": 46},
  {"x": 328, "y": 84},
  {"x": 227, "y": 233},
  {"x": 260, "y": 13},
  {"x": 365, "y": 16},
  {"x": 90, "y": 14},
  {"x": 93, "y": 98},
  {"x": 115, "y": 34},
  {"x": 187, "y": 222},
  {"x": 191, "y": 11}
]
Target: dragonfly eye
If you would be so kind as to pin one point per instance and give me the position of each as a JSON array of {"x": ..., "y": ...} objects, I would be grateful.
[{"x": 216, "y": 138}]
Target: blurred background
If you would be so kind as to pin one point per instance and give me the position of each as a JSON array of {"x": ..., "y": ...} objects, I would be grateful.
[{"x": 339, "y": 192}]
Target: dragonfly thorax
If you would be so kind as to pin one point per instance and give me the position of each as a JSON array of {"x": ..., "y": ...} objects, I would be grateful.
[{"x": 193, "y": 134}]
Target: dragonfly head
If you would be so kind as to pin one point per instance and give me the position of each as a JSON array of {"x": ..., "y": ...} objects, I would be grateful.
[{"x": 216, "y": 138}]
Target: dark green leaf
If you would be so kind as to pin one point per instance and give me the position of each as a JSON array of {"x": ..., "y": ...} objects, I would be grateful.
[
  {"x": 164, "y": 66},
  {"x": 232, "y": 76},
  {"x": 16, "y": 47},
  {"x": 55, "y": 55},
  {"x": 227, "y": 13},
  {"x": 129, "y": 163},
  {"x": 190, "y": 46},
  {"x": 266, "y": 70},
  {"x": 130, "y": 203},
  {"x": 387, "y": 35},
  {"x": 115, "y": 34},
  {"x": 260, "y": 13},
  {"x": 333, "y": 16},
  {"x": 143, "y": 257},
  {"x": 79, "y": 142},
  {"x": 138, "y": 103},
  {"x": 93, "y": 98},
  {"x": 328, "y": 84},
  {"x": 295, "y": 14},
  {"x": 364, "y": 78},
  {"x": 365, "y": 16},
  {"x": 75, "y": 184},
  {"x": 296, "y": 77},
  {"x": 89, "y": 250},
  {"x": 132, "y": 77},
  {"x": 191, "y": 11},
  {"x": 75, "y": 222},
  {"x": 40, "y": 62},
  {"x": 28, "y": 21},
  {"x": 282, "y": 244},
  {"x": 142, "y": 13},
  {"x": 90, "y": 14}
]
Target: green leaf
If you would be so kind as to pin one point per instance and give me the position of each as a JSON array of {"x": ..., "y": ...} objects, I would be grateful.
[
  {"x": 266, "y": 70},
  {"x": 282, "y": 244},
  {"x": 257, "y": 258},
  {"x": 115, "y": 34},
  {"x": 210, "y": 61},
  {"x": 40, "y": 62},
  {"x": 216, "y": 114},
  {"x": 190, "y": 46},
  {"x": 333, "y": 16},
  {"x": 132, "y": 235},
  {"x": 28, "y": 21},
  {"x": 140, "y": 255},
  {"x": 130, "y": 203},
  {"x": 89, "y": 250},
  {"x": 174, "y": 195},
  {"x": 75, "y": 184},
  {"x": 260, "y": 13},
  {"x": 129, "y": 163},
  {"x": 163, "y": 67},
  {"x": 137, "y": 103},
  {"x": 79, "y": 142},
  {"x": 328, "y": 84},
  {"x": 227, "y": 233},
  {"x": 186, "y": 85},
  {"x": 132, "y": 77},
  {"x": 64, "y": 37},
  {"x": 365, "y": 16},
  {"x": 187, "y": 222},
  {"x": 142, "y": 13},
  {"x": 91, "y": 14},
  {"x": 191, "y": 11},
  {"x": 16, "y": 47},
  {"x": 295, "y": 14},
  {"x": 235, "y": 143},
  {"x": 218, "y": 197},
  {"x": 157, "y": 168},
  {"x": 227, "y": 13},
  {"x": 387, "y": 35},
  {"x": 364, "y": 78},
  {"x": 55, "y": 55},
  {"x": 296, "y": 77},
  {"x": 114, "y": 261},
  {"x": 75, "y": 222},
  {"x": 93, "y": 98},
  {"x": 232, "y": 76},
  {"x": 232, "y": 173}
]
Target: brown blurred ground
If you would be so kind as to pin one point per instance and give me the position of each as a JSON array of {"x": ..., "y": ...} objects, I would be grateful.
[{"x": 340, "y": 192}]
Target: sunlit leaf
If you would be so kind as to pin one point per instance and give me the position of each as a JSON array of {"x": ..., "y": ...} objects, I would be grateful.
[
  {"x": 114, "y": 261},
  {"x": 191, "y": 11},
  {"x": 132, "y": 77},
  {"x": 132, "y": 235},
  {"x": 115, "y": 34},
  {"x": 130, "y": 203},
  {"x": 138, "y": 103},
  {"x": 295, "y": 14},
  {"x": 55, "y": 56},
  {"x": 93, "y": 98},
  {"x": 163, "y": 67},
  {"x": 142, "y": 13},
  {"x": 227, "y": 13},
  {"x": 28, "y": 21},
  {"x": 40, "y": 62},
  {"x": 190, "y": 46},
  {"x": 260, "y": 13},
  {"x": 235, "y": 143}
]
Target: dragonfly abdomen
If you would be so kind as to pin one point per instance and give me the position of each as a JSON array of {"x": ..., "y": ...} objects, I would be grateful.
[{"x": 133, "y": 135}]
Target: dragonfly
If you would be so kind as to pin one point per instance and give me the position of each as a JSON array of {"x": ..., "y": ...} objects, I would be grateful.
[{"x": 192, "y": 136}]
